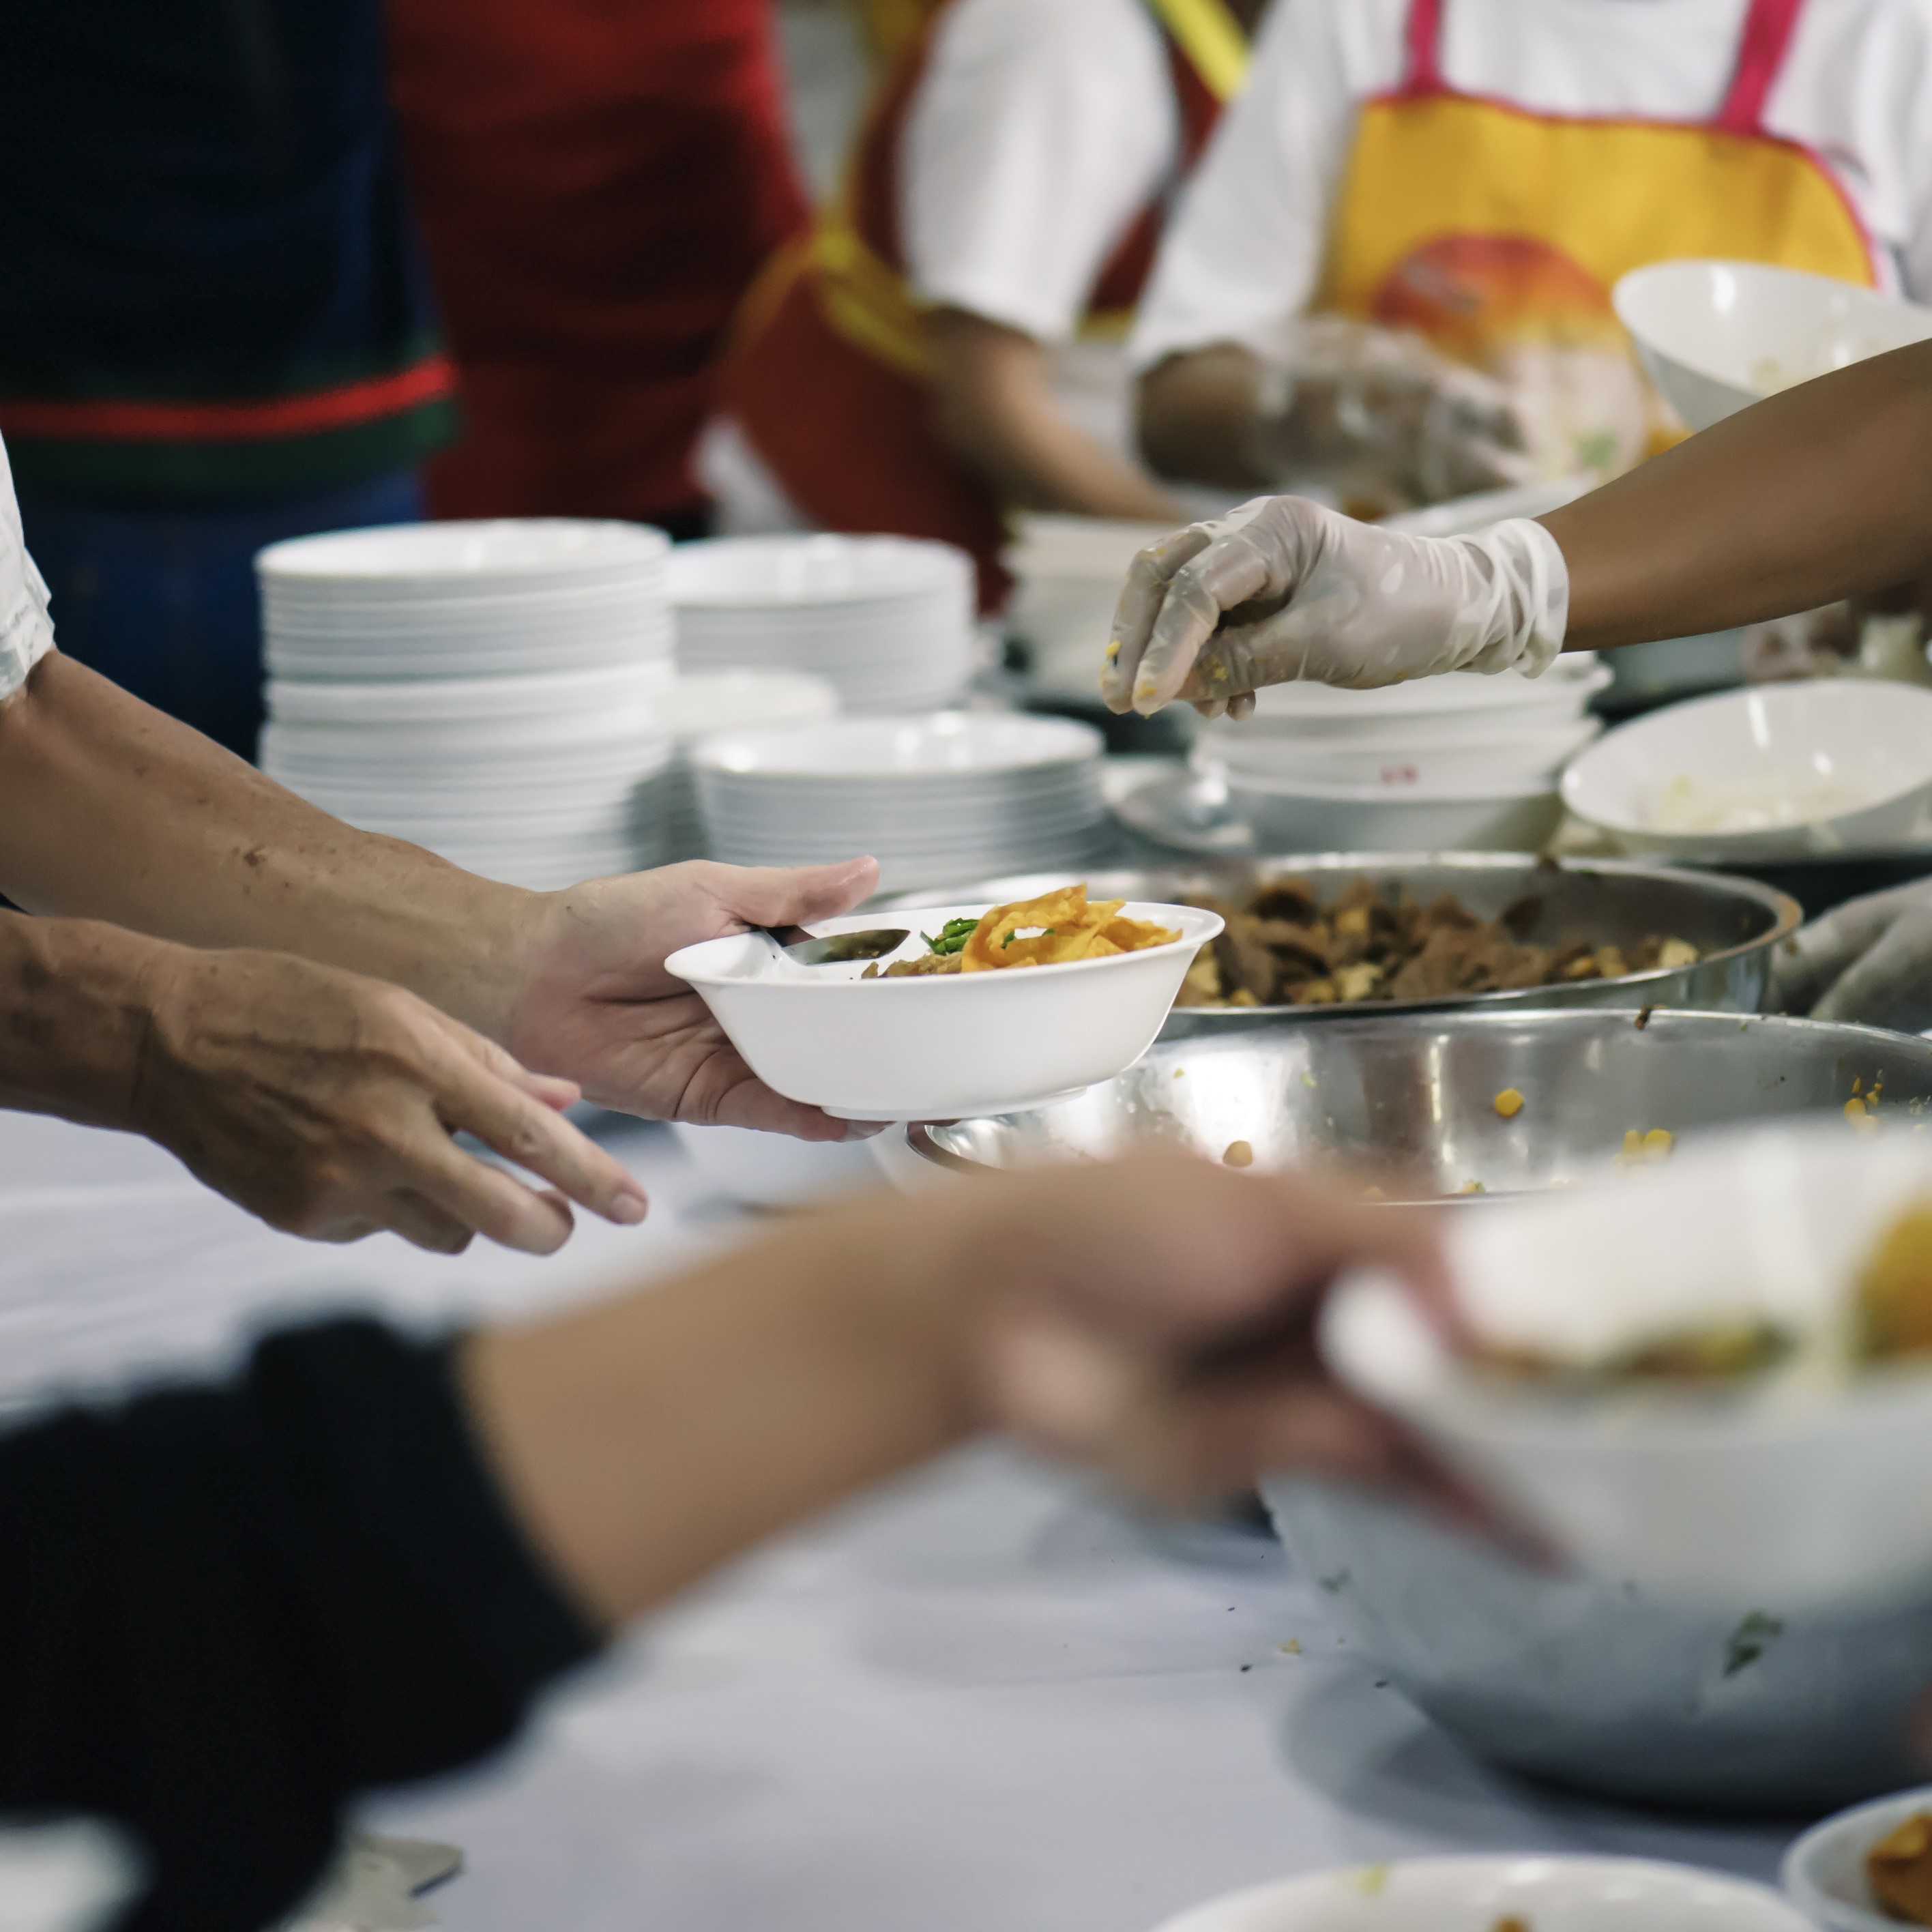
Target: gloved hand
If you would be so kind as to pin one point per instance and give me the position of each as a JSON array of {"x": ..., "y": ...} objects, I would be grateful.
[
  {"x": 1283, "y": 589},
  {"x": 1382, "y": 415},
  {"x": 1869, "y": 961}
]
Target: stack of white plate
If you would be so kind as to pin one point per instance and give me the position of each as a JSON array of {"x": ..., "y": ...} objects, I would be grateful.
[
  {"x": 1462, "y": 761},
  {"x": 1067, "y": 575},
  {"x": 939, "y": 800},
  {"x": 888, "y": 621},
  {"x": 489, "y": 691},
  {"x": 702, "y": 706},
  {"x": 466, "y": 600}
]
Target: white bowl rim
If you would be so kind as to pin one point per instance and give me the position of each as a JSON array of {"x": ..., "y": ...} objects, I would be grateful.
[
  {"x": 1794, "y": 1873},
  {"x": 1063, "y": 740},
  {"x": 600, "y": 543},
  {"x": 929, "y": 566},
  {"x": 1197, "y": 928}
]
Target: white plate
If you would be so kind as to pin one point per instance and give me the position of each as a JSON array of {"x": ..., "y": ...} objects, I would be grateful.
[
  {"x": 1824, "y": 1872},
  {"x": 943, "y": 1047},
  {"x": 504, "y": 552},
  {"x": 937, "y": 744},
  {"x": 1474, "y": 1895},
  {"x": 814, "y": 569},
  {"x": 593, "y": 693}
]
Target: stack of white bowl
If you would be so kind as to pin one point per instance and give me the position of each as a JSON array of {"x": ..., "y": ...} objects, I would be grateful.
[
  {"x": 1067, "y": 574},
  {"x": 939, "y": 799},
  {"x": 1466, "y": 761},
  {"x": 888, "y": 621},
  {"x": 709, "y": 702},
  {"x": 491, "y": 691}
]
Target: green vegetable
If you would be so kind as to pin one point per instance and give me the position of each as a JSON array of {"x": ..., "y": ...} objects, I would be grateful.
[{"x": 952, "y": 936}]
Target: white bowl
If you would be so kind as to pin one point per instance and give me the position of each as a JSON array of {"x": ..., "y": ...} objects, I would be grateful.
[
  {"x": 1800, "y": 1491},
  {"x": 936, "y": 744},
  {"x": 760, "y": 1170},
  {"x": 943, "y": 1047},
  {"x": 1532, "y": 761},
  {"x": 1476, "y": 1894},
  {"x": 1303, "y": 704},
  {"x": 817, "y": 569},
  {"x": 1845, "y": 762},
  {"x": 1717, "y": 337},
  {"x": 1824, "y": 1872},
  {"x": 1286, "y": 816},
  {"x": 506, "y": 552}
]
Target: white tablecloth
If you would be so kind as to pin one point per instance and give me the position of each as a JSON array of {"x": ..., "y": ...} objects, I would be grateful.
[{"x": 986, "y": 1701}]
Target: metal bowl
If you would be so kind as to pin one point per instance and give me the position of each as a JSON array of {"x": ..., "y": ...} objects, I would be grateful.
[
  {"x": 1415, "y": 1093},
  {"x": 1733, "y": 922}
]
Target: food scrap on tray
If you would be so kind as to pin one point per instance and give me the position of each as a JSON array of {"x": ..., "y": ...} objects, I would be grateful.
[
  {"x": 1284, "y": 948},
  {"x": 1055, "y": 929}
]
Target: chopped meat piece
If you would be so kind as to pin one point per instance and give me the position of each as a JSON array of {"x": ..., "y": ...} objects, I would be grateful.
[
  {"x": 1292, "y": 900},
  {"x": 926, "y": 963},
  {"x": 1245, "y": 964}
]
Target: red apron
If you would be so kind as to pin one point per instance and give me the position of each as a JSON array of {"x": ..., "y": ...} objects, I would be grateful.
[
  {"x": 597, "y": 182},
  {"x": 828, "y": 375}
]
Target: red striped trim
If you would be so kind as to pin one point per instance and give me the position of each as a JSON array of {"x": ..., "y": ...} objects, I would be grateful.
[
  {"x": 346, "y": 406},
  {"x": 1424, "y": 37},
  {"x": 1767, "y": 38}
]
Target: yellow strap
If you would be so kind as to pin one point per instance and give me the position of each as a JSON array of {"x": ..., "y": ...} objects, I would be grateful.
[{"x": 1211, "y": 38}]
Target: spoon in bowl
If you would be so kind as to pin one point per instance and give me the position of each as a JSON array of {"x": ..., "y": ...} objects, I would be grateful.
[{"x": 835, "y": 948}]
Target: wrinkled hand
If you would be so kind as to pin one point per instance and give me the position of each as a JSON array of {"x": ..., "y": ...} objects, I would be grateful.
[
  {"x": 1154, "y": 1317},
  {"x": 598, "y": 1008},
  {"x": 1381, "y": 414},
  {"x": 325, "y": 1103},
  {"x": 1283, "y": 588},
  {"x": 1869, "y": 961}
]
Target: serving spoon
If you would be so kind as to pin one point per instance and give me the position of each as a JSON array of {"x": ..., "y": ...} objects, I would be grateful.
[{"x": 835, "y": 948}]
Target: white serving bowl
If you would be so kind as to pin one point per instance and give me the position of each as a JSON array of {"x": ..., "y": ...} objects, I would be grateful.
[
  {"x": 1476, "y": 1894},
  {"x": 1717, "y": 337},
  {"x": 1289, "y": 816},
  {"x": 943, "y": 1047},
  {"x": 1849, "y": 760},
  {"x": 760, "y": 1170},
  {"x": 509, "y": 553},
  {"x": 1824, "y": 1871},
  {"x": 1802, "y": 1492},
  {"x": 1531, "y": 760}
]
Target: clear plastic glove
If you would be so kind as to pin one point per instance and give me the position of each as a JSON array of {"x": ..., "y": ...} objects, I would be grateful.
[
  {"x": 1281, "y": 588},
  {"x": 1869, "y": 961},
  {"x": 1384, "y": 415}
]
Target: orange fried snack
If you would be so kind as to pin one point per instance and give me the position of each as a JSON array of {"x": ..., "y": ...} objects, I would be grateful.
[
  {"x": 1055, "y": 928},
  {"x": 1899, "y": 1870},
  {"x": 1894, "y": 1303}
]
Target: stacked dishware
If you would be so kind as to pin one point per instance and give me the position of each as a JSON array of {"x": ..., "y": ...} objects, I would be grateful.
[
  {"x": 888, "y": 621},
  {"x": 1462, "y": 762},
  {"x": 705, "y": 703},
  {"x": 491, "y": 691},
  {"x": 1067, "y": 573},
  {"x": 937, "y": 799}
]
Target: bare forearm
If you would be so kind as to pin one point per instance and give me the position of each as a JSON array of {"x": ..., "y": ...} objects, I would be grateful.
[
  {"x": 995, "y": 410},
  {"x": 110, "y": 811},
  {"x": 646, "y": 1441},
  {"x": 1822, "y": 493},
  {"x": 1197, "y": 418}
]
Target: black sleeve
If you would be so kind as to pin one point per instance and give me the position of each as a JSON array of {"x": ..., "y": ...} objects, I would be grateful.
[{"x": 225, "y": 1610}]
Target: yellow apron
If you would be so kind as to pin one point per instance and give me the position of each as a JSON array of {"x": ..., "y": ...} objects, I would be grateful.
[{"x": 1498, "y": 233}]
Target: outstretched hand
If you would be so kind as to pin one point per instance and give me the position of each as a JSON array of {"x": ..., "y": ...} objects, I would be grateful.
[{"x": 597, "y": 1007}]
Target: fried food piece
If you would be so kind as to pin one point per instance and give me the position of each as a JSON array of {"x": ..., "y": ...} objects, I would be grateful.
[
  {"x": 1508, "y": 1103},
  {"x": 1898, "y": 1869},
  {"x": 922, "y": 967},
  {"x": 1239, "y": 1154},
  {"x": 1893, "y": 1305},
  {"x": 1056, "y": 929}
]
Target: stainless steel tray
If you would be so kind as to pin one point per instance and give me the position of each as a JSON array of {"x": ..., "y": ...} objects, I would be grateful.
[
  {"x": 1734, "y": 922},
  {"x": 1415, "y": 1094}
]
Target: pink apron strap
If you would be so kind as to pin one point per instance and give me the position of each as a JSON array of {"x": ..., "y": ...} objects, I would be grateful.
[
  {"x": 1422, "y": 72},
  {"x": 1767, "y": 38}
]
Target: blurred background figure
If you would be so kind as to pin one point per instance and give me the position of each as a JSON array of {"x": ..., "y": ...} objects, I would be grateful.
[
  {"x": 944, "y": 345},
  {"x": 215, "y": 330},
  {"x": 598, "y": 186},
  {"x": 1391, "y": 273}
]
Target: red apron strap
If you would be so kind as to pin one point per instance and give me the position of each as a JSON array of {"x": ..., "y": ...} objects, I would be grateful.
[
  {"x": 1767, "y": 37},
  {"x": 1423, "y": 73}
]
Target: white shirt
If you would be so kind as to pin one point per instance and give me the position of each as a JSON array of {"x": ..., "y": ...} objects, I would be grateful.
[
  {"x": 1244, "y": 253},
  {"x": 26, "y": 636},
  {"x": 1038, "y": 131}
]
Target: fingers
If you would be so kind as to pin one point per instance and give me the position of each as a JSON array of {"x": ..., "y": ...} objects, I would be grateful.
[
  {"x": 523, "y": 1129},
  {"x": 477, "y": 1196},
  {"x": 420, "y": 1222},
  {"x": 1891, "y": 985},
  {"x": 1139, "y": 606},
  {"x": 780, "y": 895}
]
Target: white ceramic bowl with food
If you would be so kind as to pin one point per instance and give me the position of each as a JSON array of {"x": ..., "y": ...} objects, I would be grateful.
[
  {"x": 1824, "y": 1871},
  {"x": 1481, "y": 1895},
  {"x": 945, "y": 1046},
  {"x": 1779, "y": 772},
  {"x": 1290, "y": 816},
  {"x": 1800, "y": 1488},
  {"x": 1716, "y": 336}
]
